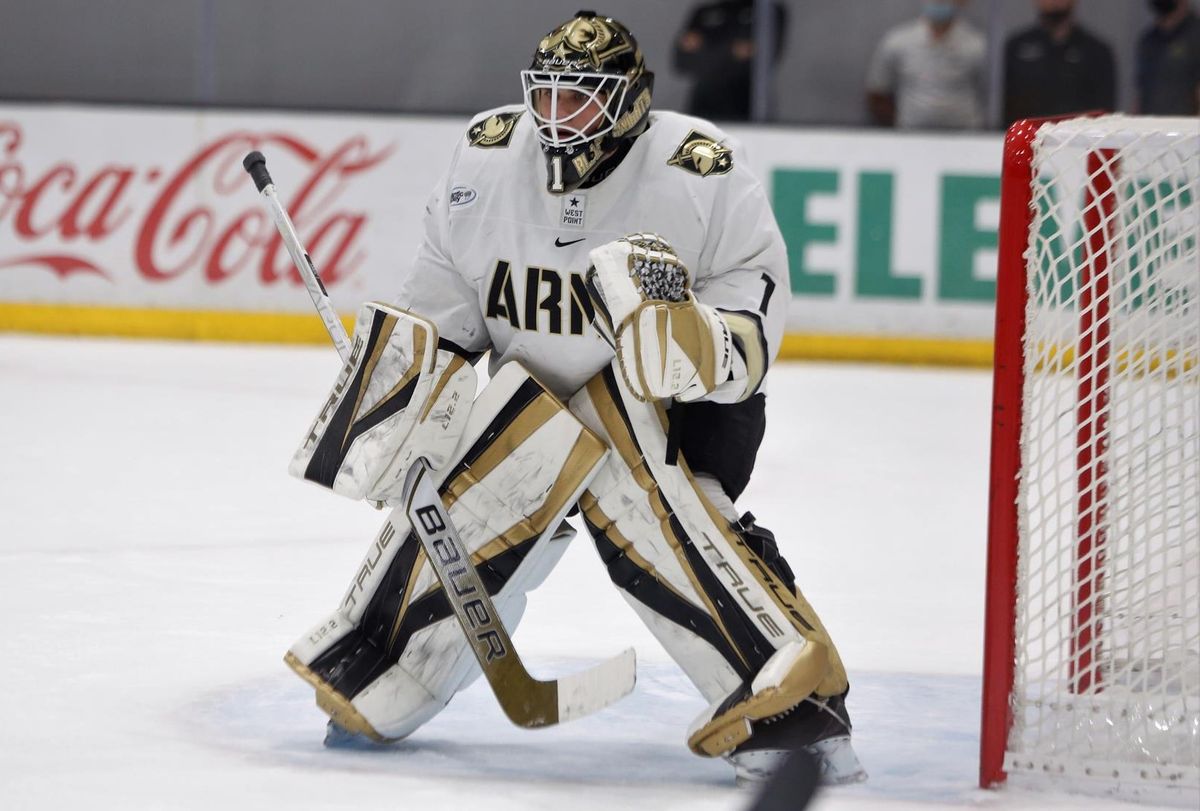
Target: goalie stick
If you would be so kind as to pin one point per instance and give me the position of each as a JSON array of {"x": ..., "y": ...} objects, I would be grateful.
[
  {"x": 528, "y": 702},
  {"x": 256, "y": 165},
  {"x": 792, "y": 787}
]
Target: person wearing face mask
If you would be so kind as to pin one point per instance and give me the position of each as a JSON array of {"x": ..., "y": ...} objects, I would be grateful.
[
  {"x": 929, "y": 73},
  {"x": 1056, "y": 67},
  {"x": 1168, "y": 61}
]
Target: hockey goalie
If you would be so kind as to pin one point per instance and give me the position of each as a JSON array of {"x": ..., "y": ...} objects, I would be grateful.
[{"x": 620, "y": 267}]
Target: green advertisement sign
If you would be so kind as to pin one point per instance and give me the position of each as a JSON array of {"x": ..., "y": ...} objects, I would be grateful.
[{"x": 958, "y": 238}]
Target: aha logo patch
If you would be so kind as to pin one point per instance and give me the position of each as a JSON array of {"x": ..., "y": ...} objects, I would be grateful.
[{"x": 462, "y": 196}]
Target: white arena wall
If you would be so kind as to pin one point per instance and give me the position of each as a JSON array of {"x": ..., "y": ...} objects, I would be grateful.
[{"x": 126, "y": 221}]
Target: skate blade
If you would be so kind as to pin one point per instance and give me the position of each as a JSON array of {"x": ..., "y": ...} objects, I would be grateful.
[
  {"x": 837, "y": 761},
  {"x": 834, "y": 759}
]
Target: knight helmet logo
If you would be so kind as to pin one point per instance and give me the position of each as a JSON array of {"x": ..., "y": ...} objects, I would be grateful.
[
  {"x": 702, "y": 155},
  {"x": 494, "y": 131}
]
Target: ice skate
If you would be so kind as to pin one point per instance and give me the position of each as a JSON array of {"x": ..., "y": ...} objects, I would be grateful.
[{"x": 819, "y": 726}]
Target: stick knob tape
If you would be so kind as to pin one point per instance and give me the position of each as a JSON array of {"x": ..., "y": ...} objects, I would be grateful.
[{"x": 256, "y": 165}]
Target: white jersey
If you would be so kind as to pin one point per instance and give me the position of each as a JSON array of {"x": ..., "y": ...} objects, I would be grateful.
[{"x": 502, "y": 262}]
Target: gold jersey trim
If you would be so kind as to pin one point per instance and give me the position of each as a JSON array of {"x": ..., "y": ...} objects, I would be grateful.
[{"x": 747, "y": 334}]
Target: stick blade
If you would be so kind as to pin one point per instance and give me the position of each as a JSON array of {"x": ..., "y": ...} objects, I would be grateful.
[{"x": 587, "y": 691}]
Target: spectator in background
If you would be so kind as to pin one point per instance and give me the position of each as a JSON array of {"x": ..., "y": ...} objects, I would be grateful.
[
  {"x": 1056, "y": 67},
  {"x": 1168, "y": 61},
  {"x": 929, "y": 73},
  {"x": 716, "y": 48}
]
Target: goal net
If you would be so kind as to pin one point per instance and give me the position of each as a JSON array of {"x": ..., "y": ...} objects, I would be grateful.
[{"x": 1093, "y": 651}]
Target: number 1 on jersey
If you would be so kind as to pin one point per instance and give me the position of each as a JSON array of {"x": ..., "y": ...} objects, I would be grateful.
[
  {"x": 556, "y": 168},
  {"x": 766, "y": 299}
]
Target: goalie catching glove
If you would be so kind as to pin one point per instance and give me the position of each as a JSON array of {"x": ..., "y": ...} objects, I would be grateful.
[{"x": 668, "y": 344}]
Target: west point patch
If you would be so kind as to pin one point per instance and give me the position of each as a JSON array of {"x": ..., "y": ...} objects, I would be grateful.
[
  {"x": 493, "y": 131},
  {"x": 573, "y": 213},
  {"x": 702, "y": 155}
]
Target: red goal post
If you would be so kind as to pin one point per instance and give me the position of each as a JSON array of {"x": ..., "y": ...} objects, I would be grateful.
[{"x": 1092, "y": 637}]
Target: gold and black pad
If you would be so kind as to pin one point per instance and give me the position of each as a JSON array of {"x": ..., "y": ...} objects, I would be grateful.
[
  {"x": 736, "y": 593},
  {"x": 406, "y": 598}
]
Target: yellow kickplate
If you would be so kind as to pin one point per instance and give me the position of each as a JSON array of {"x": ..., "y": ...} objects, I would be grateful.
[
  {"x": 721, "y": 735},
  {"x": 725, "y": 731},
  {"x": 333, "y": 703},
  {"x": 732, "y": 728}
]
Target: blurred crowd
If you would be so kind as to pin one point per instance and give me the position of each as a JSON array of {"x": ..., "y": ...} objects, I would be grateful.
[{"x": 932, "y": 72}]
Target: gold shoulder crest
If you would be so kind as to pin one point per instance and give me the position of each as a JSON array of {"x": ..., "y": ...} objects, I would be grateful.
[
  {"x": 494, "y": 131},
  {"x": 702, "y": 155}
]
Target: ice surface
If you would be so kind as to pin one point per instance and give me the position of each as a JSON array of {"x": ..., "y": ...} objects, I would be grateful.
[{"x": 156, "y": 561}]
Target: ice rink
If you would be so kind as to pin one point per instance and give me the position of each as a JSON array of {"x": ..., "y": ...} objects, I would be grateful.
[{"x": 156, "y": 561}]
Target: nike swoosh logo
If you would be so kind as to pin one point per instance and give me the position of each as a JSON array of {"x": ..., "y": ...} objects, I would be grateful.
[{"x": 558, "y": 243}]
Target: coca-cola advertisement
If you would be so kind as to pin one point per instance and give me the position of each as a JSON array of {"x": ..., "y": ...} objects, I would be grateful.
[{"x": 134, "y": 208}]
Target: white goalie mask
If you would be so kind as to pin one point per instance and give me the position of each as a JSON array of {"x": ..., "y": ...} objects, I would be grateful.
[{"x": 571, "y": 109}]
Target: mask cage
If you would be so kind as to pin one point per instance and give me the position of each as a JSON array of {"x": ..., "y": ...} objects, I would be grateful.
[{"x": 603, "y": 91}]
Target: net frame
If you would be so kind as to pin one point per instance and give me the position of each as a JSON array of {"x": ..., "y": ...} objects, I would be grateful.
[{"x": 1091, "y": 359}]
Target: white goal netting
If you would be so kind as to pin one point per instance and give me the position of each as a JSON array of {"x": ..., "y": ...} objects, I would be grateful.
[{"x": 1107, "y": 679}]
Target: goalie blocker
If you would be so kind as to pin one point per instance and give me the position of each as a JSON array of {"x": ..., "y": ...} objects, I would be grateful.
[{"x": 401, "y": 395}]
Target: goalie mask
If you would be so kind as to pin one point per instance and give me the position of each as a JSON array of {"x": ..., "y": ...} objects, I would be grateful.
[{"x": 586, "y": 91}]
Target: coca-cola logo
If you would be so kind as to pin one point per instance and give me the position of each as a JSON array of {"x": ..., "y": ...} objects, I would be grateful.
[{"x": 202, "y": 218}]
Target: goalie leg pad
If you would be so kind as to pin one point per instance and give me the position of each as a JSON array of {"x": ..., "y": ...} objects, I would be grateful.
[
  {"x": 400, "y": 395},
  {"x": 721, "y": 604},
  {"x": 393, "y": 655}
]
